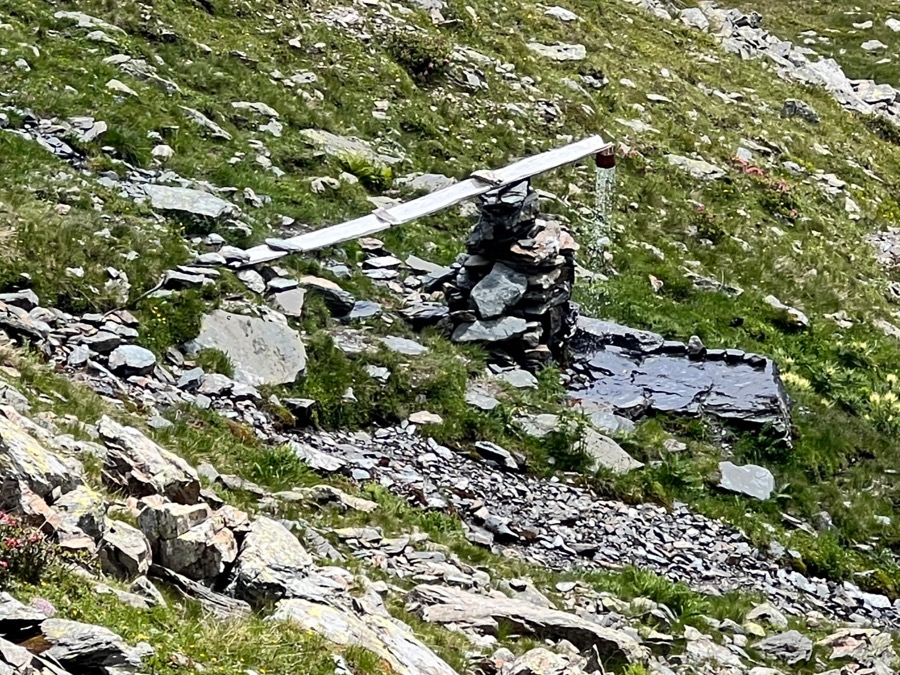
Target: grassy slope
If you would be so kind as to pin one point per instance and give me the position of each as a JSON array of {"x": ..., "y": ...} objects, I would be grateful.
[{"x": 815, "y": 259}]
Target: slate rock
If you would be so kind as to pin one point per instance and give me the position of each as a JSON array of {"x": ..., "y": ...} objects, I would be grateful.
[
  {"x": 85, "y": 648},
  {"x": 403, "y": 346},
  {"x": 202, "y": 120},
  {"x": 132, "y": 360},
  {"x": 502, "y": 288},
  {"x": 559, "y": 51},
  {"x": 793, "y": 107},
  {"x": 270, "y": 560},
  {"x": 751, "y": 480},
  {"x": 494, "y": 453},
  {"x": 390, "y": 641},
  {"x": 492, "y": 330},
  {"x": 262, "y": 352},
  {"x": 140, "y": 467},
  {"x": 290, "y": 302},
  {"x": 697, "y": 168},
  {"x": 695, "y": 18},
  {"x": 187, "y": 200},
  {"x": 26, "y": 465},
  {"x": 606, "y": 453},
  {"x": 124, "y": 551},
  {"x": 518, "y": 378},
  {"x": 343, "y": 146},
  {"x": 446, "y": 605},
  {"x": 339, "y": 302},
  {"x": 791, "y": 647}
]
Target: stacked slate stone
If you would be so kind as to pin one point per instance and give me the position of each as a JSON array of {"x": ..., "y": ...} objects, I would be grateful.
[{"x": 512, "y": 291}]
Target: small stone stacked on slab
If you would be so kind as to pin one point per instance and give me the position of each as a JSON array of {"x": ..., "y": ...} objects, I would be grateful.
[{"x": 512, "y": 291}]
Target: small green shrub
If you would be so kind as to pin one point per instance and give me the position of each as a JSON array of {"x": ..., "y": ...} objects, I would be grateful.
[
  {"x": 215, "y": 361},
  {"x": 372, "y": 176},
  {"x": 171, "y": 321},
  {"x": 425, "y": 56}
]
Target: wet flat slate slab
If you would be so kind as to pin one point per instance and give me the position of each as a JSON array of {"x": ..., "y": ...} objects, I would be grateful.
[{"x": 639, "y": 373}]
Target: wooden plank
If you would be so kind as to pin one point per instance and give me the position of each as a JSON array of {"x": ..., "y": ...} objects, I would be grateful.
[{"x": 384, "y": 219}]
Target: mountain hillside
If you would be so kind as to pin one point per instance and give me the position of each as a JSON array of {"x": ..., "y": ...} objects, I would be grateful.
[{"x": 224, "y": 451}]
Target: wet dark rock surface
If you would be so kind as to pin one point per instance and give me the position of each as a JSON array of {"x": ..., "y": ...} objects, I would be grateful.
[{"x": 639, "y": 373}]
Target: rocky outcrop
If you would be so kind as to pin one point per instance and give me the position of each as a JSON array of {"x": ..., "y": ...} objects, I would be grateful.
[
  {"x": 140, "y": 467},
  {"x": 445, "y": 605},
  {"x": 394, "y": 643},
  {"x": 270, "y": 562},
  {"x": 27, "y": 466}
]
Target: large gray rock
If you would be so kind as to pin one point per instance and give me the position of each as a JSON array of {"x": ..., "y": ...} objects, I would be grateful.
[
  {"x": 124, "y": 551},
  {"x": 270, "y": 560},
  {"x": 140, "y": 467},
  {"x": 695, "y": 18},
  {"x": 697, "y": 168},
  {"x": 791, "y": 647},
  {"x": 215, "y": 130},
  {"x": 347, "y": 146},
  {"x": 202, "y": 553},
  {"x": 82, "y": 511},
  {"x": 606, "y": 453},
  {"x": 502, "y": 288},
  {"x": 392, "y": 642},
  {"x": 447, "y": 605},
  {"x": 131, "y": 360},
  {"x": 751, "y": 480},
  {"x": 262, "y": 352},
  {"x": 793, "y": 107},
  {"x": 186, "y": 200},
  {"x": 83, "y": 20},
  {"x": 492, "y": 330},
  {"x": 559, "y": 51},
  {"x": 26, "y": 465},
  {"x": 85, "y": 648},
  {"x": 161, "y": 520}
]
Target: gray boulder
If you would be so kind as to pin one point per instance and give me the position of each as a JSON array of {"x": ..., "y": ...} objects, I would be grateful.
[
  {"x": 124, "y": 551},
  {"x": 270, "y": 559},
  {"x": 85, "y": 648},
  {"x": 751, "y": 480},
  {"x": 793, "y": 107},
  {"x": 695, "y": 18},
  {"x": 343, "y": 146},
  {"x": 140, "y": 467},
  {"x": 339, "y": 302},
  {"x": 697, "y": 168},
  {"x": 82, "y": 511},
  {"x": 26, "y": 465},
  {"x": 790, "y": 647},
  {"x": 202, "y": 553},
  {"x": 391, "y": 641},
  {"x": 186, "y": 200},
  {"x": 605, "y": 452},
  {"x": 262, "y": 352},
  {"x": 559, "y": 51},
  {"x": 131, "y": 360},
  {"x": 446, "y": 605}
]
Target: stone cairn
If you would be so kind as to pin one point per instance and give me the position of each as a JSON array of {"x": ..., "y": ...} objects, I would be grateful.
[{"x": 512, "y": 291}]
